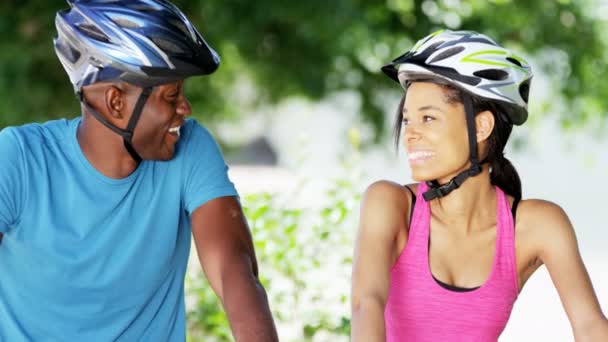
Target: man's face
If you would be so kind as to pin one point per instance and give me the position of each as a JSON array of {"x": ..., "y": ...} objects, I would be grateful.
[{"x": 157, "y": 130}]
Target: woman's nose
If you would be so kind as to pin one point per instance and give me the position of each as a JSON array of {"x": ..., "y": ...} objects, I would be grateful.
[{"x": 411, "y": 132}]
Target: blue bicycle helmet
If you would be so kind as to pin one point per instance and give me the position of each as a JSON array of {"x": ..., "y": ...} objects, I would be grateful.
[{"x": 142, "y": 42}]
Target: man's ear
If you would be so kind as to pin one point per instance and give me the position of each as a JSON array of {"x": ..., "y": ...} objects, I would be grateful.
[
  {"x": 484, "y": 124},
  {"x": 115, "y": 101}
]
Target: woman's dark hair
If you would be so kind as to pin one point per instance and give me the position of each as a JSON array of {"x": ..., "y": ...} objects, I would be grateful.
[{"x": 503, "y": 173}]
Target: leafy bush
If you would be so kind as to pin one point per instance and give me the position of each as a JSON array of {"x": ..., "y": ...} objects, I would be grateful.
[{"x": 305, "y": 258}]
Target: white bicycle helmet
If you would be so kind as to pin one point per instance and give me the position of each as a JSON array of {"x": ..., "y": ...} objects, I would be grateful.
[{"x": 479, "y": 67}]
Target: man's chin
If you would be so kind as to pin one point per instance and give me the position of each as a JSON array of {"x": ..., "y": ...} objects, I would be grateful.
[
  {"x": 166, "y": 155},
  {"x": 165, "y": 158}
]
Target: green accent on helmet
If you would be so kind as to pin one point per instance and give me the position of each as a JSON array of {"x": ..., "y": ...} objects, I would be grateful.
[
  {"x": 519, "y": 59},
  {"x": 426, "y": 39},
  {"x": 470, "y": 59}
]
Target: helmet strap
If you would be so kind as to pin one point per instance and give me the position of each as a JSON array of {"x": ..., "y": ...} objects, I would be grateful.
[
  {"x": 126, "y": 134},
  {"x": 139, "y": 106},
  {"x": 437, "y": 190}
]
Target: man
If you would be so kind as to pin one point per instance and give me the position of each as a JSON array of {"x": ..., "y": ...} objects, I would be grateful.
[{"x": 96, "y": 212}]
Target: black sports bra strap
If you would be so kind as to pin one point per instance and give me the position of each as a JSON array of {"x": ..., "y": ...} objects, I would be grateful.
[
  {"x": 412, "y": 205},
  {"x": 514, "y": 208}
]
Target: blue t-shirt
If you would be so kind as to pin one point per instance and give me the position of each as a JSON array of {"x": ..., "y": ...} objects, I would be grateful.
[{"x": 90, "y": 258}]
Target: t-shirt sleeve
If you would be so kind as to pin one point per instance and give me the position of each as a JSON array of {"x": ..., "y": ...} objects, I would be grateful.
[
  {"x": 206, "y": 172},
  {"x": 11, "y": 182}
]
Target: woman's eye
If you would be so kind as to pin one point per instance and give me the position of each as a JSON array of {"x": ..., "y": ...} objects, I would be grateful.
[
  {"x": 427, "y": 118},
  {"x": 404, "y": 121}
]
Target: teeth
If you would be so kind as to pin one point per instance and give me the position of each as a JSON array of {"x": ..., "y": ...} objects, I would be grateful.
[
  {"x": 420, "y": 154},
  {"x": 175, "y": 130}
]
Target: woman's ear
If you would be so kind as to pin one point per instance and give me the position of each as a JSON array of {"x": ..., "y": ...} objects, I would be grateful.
[{"x": 484, "y": 124}]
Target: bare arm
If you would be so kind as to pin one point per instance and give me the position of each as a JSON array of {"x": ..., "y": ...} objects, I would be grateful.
[
  {"x": 559, "y": 252},
  {"x": 227, "y": 256},
  {"x": 382, "y": 211}
]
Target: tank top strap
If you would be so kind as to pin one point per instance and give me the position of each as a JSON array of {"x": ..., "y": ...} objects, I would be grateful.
[
  {"x": 505, "y": 234},
  {"x": 418, "y": 233}
]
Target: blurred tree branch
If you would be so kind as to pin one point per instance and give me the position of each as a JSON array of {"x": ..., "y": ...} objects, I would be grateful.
[{"x": 310, "y": 48}]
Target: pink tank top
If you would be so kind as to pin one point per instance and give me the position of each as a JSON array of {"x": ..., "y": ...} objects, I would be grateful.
[{"x": 419, "y": 309}]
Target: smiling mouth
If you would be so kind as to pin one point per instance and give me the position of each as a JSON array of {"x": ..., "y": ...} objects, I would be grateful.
[
  {"x": 417, "y": 157},
  {"x": 175, "y": 130}
]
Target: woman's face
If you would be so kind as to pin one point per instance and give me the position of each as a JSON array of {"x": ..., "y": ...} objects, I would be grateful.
[{"x": 434, "y": 132}]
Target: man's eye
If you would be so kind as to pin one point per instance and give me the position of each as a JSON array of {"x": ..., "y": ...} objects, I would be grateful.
[{"x": 404, "y": 121}]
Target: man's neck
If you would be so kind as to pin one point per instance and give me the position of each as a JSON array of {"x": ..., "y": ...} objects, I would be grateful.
[{"x": 104, "y": 149}]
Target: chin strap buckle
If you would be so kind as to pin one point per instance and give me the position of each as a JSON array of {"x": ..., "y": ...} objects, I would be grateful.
[
  {"x": 438, "y": 191},
  {"x": 441, "y": 191}
]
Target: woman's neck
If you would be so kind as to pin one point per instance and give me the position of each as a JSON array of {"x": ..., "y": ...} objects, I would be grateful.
[{"x": 467, "y": 207}]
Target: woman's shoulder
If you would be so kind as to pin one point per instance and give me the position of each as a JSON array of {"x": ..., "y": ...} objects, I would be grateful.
[
  {"x": 539, "y": 210},
  {"x": 383, "y": 215},
  {"x": 385, "y": 203},
  {"x": 385, "y": 190},
  {"x": 545, "y": 222}
]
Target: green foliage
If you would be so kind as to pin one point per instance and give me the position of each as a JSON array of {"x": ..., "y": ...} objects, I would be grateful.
[
  {"x": 315, "y": 47},
  {"x": 206, "y": 321},
  {"x": 304, "y": 256}
]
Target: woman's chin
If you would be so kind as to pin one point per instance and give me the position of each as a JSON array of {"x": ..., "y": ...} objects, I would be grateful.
[
  {"x": 441, "y": 173},
  {"x": 422, "y": 178},
  {"x": 424, "y": 175}
]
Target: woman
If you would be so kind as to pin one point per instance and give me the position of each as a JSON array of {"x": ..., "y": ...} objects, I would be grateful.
[{"x": 445, "y": 259}]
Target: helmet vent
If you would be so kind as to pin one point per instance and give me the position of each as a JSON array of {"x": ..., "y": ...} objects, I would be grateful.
[
  {"x": 143, "y": 8},
  {"x": 167, "y": 46},
  {"x": 93, "y": 32},
  {"x": 126, "y": 23},
  {"x": 180, "y": 26},
  {"x": 514, "y": 61},
  {"x": 447, "y": 53},
  {"x": 524, "y": 90},
  {"x": 68, "y": 52},
  {"x": 433, "y": 47},
  {"x": 492, "y": 74}
]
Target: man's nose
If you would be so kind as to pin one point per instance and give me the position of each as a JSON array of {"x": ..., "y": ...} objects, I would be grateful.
[{"x": 184, "y": 108}]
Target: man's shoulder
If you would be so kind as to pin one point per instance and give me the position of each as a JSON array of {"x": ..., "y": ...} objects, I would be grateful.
[
  {"x": 38, "y": 133},
  {"x": 35, "y": 140},
  {"x": 195, "y": 130},
  {"x": 196, "y": 138}
]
